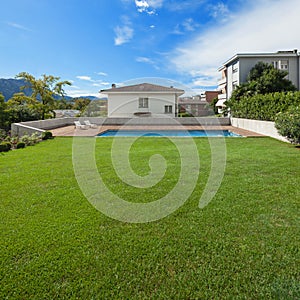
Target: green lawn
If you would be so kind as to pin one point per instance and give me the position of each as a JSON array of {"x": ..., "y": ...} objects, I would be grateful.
[{"x": 243, "y": 245}]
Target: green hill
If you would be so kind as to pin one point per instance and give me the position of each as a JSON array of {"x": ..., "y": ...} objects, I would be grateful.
[{"x": 8, "y": 87}]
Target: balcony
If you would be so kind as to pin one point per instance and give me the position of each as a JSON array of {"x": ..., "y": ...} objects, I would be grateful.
[
  {"x": 222, "y": 97},
  {"x": 222, "y": 81}
]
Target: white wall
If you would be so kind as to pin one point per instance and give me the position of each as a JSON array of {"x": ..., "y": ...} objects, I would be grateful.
[
  {"x": 262, "y": 127},
  {"x": 125, "y": 105}
]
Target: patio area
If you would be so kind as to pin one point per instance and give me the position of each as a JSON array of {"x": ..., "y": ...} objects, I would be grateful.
[{"x": 72, "y": 131}]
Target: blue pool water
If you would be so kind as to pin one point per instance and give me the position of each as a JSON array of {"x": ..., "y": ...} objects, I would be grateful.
[{"x": 169, "y": 133}]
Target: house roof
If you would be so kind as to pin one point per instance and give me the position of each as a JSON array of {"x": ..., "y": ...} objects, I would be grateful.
[{"x": 143, "y": 87}]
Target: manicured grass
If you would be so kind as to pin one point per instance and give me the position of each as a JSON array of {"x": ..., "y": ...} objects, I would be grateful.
[{"x": 243, "y": 245}]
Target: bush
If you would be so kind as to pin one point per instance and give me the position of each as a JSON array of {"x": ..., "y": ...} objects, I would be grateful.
[
  {"x": 47, "y": 135},
  {"x": 5, "y": 146},
  {"x": 288, "y": 124},
  {"x": 13, "y": 140},
  {"x": 20, "y": 145},
  {"x": 263, "y": 107},
  {"x": 2, "y": 134},
  {"x": 30, "y": 140}
]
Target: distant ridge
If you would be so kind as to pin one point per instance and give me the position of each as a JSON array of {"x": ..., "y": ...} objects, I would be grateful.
[{"x": 8, "y": 87}]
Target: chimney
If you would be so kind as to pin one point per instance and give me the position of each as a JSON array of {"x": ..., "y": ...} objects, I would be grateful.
[
  {"x": 113, "y": 86},
  {"x": 295, "y": 51}
]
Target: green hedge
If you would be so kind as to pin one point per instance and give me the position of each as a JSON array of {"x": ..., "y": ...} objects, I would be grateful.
[
  {"x": 263, "y": 107},
  {"x": 288, "y": 124}
]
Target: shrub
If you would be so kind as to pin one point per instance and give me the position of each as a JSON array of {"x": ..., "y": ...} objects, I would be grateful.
[
  {"x": 2, "y": 134},
  {"x": 20, "y": 145},
  {"x": 288, "y": 124},
  {"x": 263, "y": 107},
  {"x": 30, "y": 140},
  {"x": 13, "y": 140},
  {"x": 47, "y": 135},
  {"x": 5, "y": 146}
]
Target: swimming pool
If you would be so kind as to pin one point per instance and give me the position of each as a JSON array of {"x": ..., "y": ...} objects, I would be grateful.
[{"x": 168, "y": 133}]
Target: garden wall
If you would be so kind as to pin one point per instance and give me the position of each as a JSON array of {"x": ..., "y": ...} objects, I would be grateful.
[
  {"x": 22, "y": 128},
  {"x": 262, "y": 127}
]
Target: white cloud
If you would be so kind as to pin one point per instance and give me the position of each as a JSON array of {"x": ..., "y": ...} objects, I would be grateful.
[
  {"x": 220, "y": 10},
  {"x": 144, "y": 60},
  {"x": 85, "y": 78},
  {"x": 147, "y": 61},
  {"x": 148, "y": 6},
  {"x": 184, "y": 5},
  {"x": 268, "y": 27},
  {"x": 101, "y": 84},
  {"x": 123, "y": 34},
  {"x": 189, "y": 24},
  {"x": 82, "y": 92},
  {"x": 18, "y": 26},
  {"x": 102, "y": 74}
]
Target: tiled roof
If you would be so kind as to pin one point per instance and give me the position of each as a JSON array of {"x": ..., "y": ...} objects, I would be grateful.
[{"x": 143, "y": 87}]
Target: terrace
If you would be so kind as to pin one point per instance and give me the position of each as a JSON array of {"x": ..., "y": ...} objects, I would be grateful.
[{"x": 65, "y": 126}]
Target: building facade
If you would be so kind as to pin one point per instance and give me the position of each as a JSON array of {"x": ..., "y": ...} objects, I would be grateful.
[
  {"x": 142, "y": 100},
  {"x": 236, "y": 69}
]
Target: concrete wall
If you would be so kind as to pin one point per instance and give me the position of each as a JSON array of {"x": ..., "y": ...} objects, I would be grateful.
[
  {"x": 42, "y": 125},
  {"x": 18, "y": 129},
  {"x": 262, "y": 127}
]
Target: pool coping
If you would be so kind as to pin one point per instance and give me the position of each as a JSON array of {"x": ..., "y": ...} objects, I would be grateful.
[{"x": 90, "y": 132}]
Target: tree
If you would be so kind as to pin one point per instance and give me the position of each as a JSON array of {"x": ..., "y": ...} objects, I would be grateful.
[
  {"x": 81, "y": 103},
  {"x": 44, "y": 89},
  {"x": 21, "y": 108},
  {"x": 288, "y": 124},
  {"x": 3, "y": 114},
  {"x": 262, "y": 79}
]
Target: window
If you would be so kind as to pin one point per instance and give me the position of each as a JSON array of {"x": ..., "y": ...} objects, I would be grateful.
[
  {"x": 168, "y": 109},
  {"x": 284, "y": 64},
  {"x": 143, "y": 102},
  {"x": 275, "y": 64},
  {"x": 235, "y": 68}
]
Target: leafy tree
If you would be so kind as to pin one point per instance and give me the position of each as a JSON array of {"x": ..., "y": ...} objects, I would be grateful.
[
  {"x": 92, "y": 110},
  {"x": 288, "y": 124},
  {"x": 21, "y": 108},
  {"x": 81, "y": 103},
  {"x": 258, "y": 70},
  {"x": 263, "y": 79},
  {"x": 64, "y": 104},
  {"x": 43, "y": 89},
  {"x": 212, "y": 105},
  {"x": 3, "y": 114}
]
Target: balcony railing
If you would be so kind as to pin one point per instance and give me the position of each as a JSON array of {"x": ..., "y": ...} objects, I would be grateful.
[
  {"x": 222, "y": 81},
  {"x": 222, "y": 96}
]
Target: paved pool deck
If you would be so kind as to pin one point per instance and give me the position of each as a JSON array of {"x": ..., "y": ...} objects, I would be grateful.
[{"x": 72, "y": 131}]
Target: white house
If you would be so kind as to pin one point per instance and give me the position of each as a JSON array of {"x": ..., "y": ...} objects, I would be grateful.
[
  {"x": 235, "y": 70},
  {"x": 143, "y": 99}
]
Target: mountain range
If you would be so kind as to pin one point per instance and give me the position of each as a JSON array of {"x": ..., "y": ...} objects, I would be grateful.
[{"x": 10, "y": 86}]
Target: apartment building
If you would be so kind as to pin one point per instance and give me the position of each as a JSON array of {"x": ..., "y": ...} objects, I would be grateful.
[{"x": 235, "y": 70}]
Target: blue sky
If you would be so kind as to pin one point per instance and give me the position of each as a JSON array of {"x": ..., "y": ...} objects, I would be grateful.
[{"x": 94, "y": 43}]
